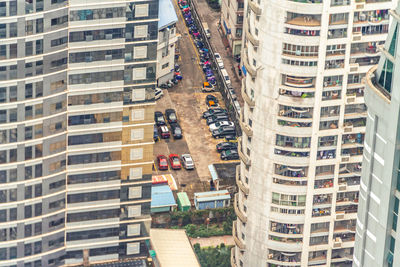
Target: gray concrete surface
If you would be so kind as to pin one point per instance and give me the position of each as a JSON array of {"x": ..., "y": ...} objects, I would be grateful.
[{"x": 189, "y": 102}]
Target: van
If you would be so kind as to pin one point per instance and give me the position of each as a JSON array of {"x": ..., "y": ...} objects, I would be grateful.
[
  {"x": 225, "y": 76},
  {"x": 158, "y": 93},
  {"x": 224, "y": 131},
  {"x": 206, "y": 30}
]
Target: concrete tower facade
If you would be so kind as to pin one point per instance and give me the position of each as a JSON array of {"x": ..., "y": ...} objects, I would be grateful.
[
  {"x": 303, "y": 128},
  {"x": 77, "y": 86},
  {"x": 378, "y": 238}
]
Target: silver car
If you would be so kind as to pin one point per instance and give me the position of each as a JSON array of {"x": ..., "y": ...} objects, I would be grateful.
[{"x": 187, "y": 162}]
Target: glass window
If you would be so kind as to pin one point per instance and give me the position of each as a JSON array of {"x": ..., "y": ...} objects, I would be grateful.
[
  {"x": 3, "y": 9},
  {"x": 13, "y": 29}
]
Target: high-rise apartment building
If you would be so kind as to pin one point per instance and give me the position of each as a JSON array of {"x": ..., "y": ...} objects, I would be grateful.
[
  {"x": 232, "y": 23},
  {"x": 303, "y": 128},
  {"x": 378, "y": 235},
  {"x": 77, "y": 85}
]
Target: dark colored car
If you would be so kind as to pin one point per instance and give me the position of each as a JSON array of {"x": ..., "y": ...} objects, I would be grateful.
[
  {"x": 226, "y": 146},
  {"x": 217, "y": 117},
  {"x": 211, "y": 112},
  {"x": 176, "y": 130},
  {"x": 224, "y": 131},
  {"x": 162, "y": 162},
  {"x": 231, "y": 154},
  {"x": 211, "y": 98},
  {"x": 171, "y": 116},
  {"x": 159, "y": 118},
  {"x": 155, "y": 134}
]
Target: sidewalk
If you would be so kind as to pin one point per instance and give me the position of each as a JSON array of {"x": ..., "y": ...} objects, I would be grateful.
[
  {"x": 220, "y": 44},
  {"x": 213, "y": 241}
]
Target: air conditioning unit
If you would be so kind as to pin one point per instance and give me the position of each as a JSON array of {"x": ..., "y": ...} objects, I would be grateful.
[
  {"x": 357, "y": 36},
  {"x": 360, "y": 6},
  {"x": 343, "y": 187},
  {"x": 348, "y": 129},
  {"x": 353, "y": 67},
  {"x": 340, "y": 215},
  {"x": 337, "y": 243},
  {"x": 351, "y": 99},
  {"x": 345, "y": 158}
]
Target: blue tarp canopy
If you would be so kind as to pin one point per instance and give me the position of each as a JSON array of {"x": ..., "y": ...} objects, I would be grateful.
[
  {"x": 161, "y": 196},
  {"x": 166, "y": 14}
]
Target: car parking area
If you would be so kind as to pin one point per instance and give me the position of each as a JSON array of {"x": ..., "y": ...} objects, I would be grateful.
[{"x": 189, "y": 103}]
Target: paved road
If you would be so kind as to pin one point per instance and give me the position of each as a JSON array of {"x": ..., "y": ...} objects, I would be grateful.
[
  {"x": 212, "y": 18},
  {"x": 189, "y": 102},
  {"x": 213, "y": 241}
]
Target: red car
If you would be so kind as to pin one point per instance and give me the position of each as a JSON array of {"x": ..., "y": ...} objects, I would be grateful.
[
  {"x": 175, "y": 162},
  {"x": 162, "y": 162}
]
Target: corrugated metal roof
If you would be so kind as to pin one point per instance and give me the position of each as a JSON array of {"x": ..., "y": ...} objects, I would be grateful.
[
  {"x": 166, "y": 14},
  {"x": 184, "y": 198},
  {"x": 173, "y": 248},
  {"x": 212, "y": 195},
  {"x": 213, "y": 172},
  {"x": 161, "y": 196}
]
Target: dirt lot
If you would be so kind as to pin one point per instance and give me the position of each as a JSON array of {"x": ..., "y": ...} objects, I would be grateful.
[{"x": 189, "y": 102}]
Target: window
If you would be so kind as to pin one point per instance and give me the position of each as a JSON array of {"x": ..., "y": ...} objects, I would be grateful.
[
  {"x": 138, "y": 94},
  {"x": 141, "y": 10},
  {"x": 139, "y": 73},
  {"x": 135, "y": 192},
  {"x": 136, "y": 153},
  {"x": 140, "y": 52},
  {"x": 135, "y": 173},
  {"x": 132, "y": 248},
  {"x": 165, "y": 66},
  {"x": 134, "y": 211},
  {"x": 138, "y": 114},
  {"x": 133, "y": 229},
  {"x": 140, "y": 31},
  {"x": 137, "y": 134}
]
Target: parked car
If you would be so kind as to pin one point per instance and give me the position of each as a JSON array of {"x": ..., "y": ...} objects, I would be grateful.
[
  {"x": 226, "y": 77},
  {"x": 163, "y": 132},
  {"x": 226, "y": 146},
  {"x": 219, "y": 60},
  {"x": 187, "y": 162},
  {"x": 171, "y": 116},
  {"x": 211, "y": 112},
  {"x": 218, "y": 124},
  {"x": 176, "y": 131},
  {"x": 229, "y": 154},
  {"x": 217, "y": 117},
  {"x": 207, "y": 30},
  {"x": 224, "y": 131},
  {"x": 162, "y": 162},
  {"x": 159, "y": 118},
  {"x": 230, "y": 138},
  {"x": 208, "y": 87},
  {"x": 211, "y": 101},
  {"x": 155, "y": 134},
  {"x": 158, "y": 93},
  {"x": 175, "y": 162}
]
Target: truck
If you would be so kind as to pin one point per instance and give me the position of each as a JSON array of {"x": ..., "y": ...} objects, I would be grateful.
[{"x": 206, "y": 30}]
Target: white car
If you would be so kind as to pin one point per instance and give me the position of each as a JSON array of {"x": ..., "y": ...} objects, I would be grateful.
[
  {"x": 158, "y": 93},
  {"x": 218, "y": 58},
  {"x": 187, "y": 162},
  {"x": 218, "y": 124}
]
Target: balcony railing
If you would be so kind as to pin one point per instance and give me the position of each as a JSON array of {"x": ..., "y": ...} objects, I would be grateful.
[
  {"x": 255, "y": 7},
  {"x": 305, "y": 20},
  {"x": 238, "y": 212},
  {"x": 250, "y": 69},
  {"x": 237, "y": 240},
  {"x": 253, "y": 40},
  {"x": 246, "y": 97},
  {"x": 241, "y": 185},
  {"x": 245, "y": 159},
  {"x": 245, "y": 127}
]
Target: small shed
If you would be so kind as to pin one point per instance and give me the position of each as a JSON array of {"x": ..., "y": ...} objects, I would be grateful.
[
  {"x": 183, "y": 201},
  {"x": 212, "y": 199},
  {"x": 162, "y": 199},
  {"x": 214, "y": 183}
]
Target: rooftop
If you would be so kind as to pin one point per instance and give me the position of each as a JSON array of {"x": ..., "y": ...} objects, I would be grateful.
[
  {"x": 166, "y": 14},
  {"x": 212, "y": 195},
  {"x": 173, "y": 248},
  {"x": 161, "y": 196}
]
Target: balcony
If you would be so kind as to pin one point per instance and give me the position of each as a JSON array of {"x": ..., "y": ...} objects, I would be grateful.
[
  {"x": 299, "y": 82},
  {"x": 238, "y": 242},
  {"x": 243, "y": 157},
  {"x": 286, "y": 229},
  {"x": 233, "y": 258},
  {"x": 253, "y": 40},
  {"x": 255, "y": 7},
  {"x": 281, "y": 258},
  {"x": 242, "y": 217},
  {"x": 345, "y": 227},
  {"x": 303, "y": 20},
  {"x": 245, "y": 127},
  {"x": 241, "y": 185},
  {"x": 296, "y": 112},
  {"x": 245, "y": 96},
  {"x": 319, "y": 212},
  {"x": 250, "y": 69},
  {"x": 342, "y": 255}
]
